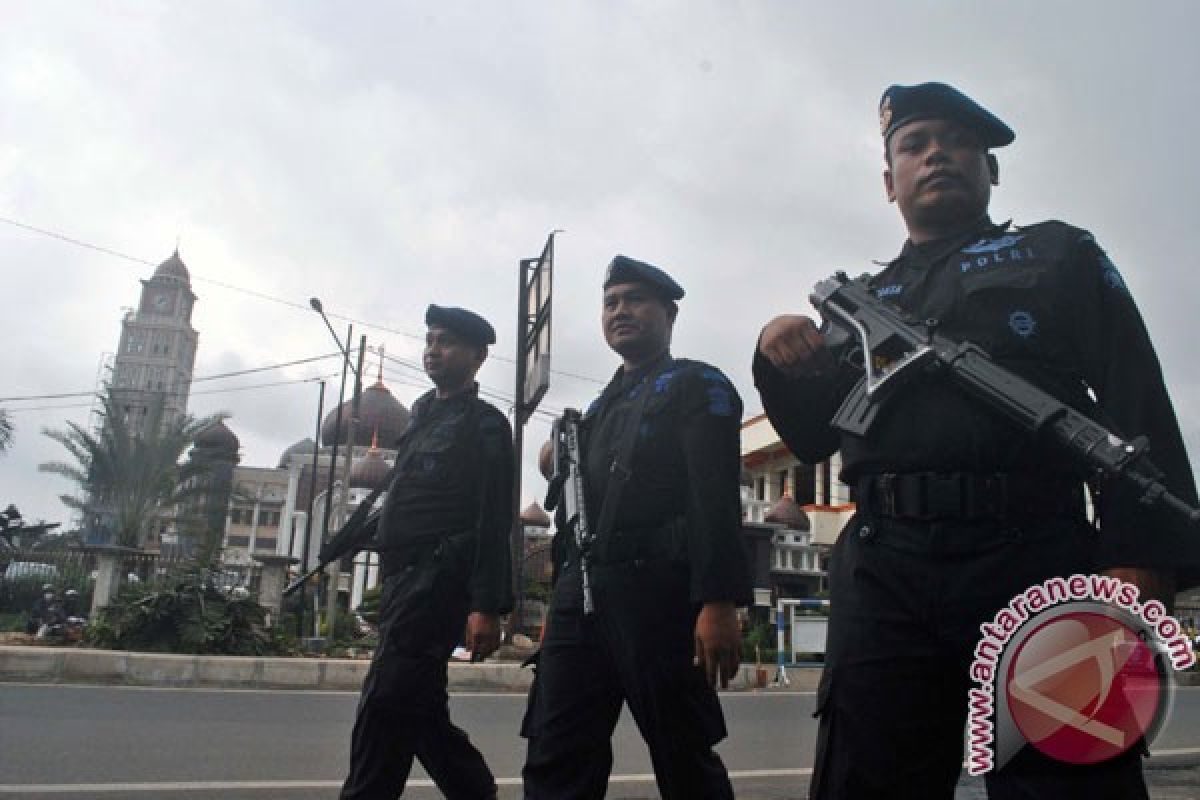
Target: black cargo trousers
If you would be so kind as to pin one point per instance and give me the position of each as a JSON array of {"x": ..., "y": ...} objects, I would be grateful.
[
  {"x": 906, "y": 602},
  {"x": 403, "y": 711},
  {"x": 637, "y": 648}
]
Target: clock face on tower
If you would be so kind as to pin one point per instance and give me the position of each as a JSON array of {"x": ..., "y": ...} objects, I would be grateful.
[{"x": 160, "y": 302}]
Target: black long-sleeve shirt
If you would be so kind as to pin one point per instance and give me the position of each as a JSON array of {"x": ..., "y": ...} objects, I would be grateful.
[
  {"x": 686, "y": 465},
  {"x": 1047, "y": 303},
  {"x": 455, "y": 476}
]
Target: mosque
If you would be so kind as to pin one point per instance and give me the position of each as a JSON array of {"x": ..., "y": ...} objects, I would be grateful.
[{"x": 269, "y": 507}]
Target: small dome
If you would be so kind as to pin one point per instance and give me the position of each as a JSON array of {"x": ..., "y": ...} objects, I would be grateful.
[
  {"x": 371, "y": 471},
  {"x": 218, "y": 438},
  {"x": 303, "y": 447},
  {"x": 788, "y": 514},
  {"x": 535, "y": 517},
  {"x": 379, "y": 413},
  {"x": 174, "y": 268}
]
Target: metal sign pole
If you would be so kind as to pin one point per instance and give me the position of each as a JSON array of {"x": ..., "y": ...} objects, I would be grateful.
[{"x": 534, "y": 284}]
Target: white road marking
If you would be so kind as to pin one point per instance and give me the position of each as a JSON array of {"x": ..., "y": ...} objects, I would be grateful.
[{"x": 191, "y": 786}]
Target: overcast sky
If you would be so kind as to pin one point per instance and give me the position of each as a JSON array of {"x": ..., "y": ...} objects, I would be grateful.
[{"x": 385, "y": 156}]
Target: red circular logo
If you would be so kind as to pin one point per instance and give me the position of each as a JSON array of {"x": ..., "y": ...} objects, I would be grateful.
[{"x": 1083, "y": 687}]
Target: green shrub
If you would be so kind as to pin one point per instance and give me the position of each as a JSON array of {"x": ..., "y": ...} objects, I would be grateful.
[
  {"x": 760, "y": 640},
  {"x": 13, "y": 622},
  {"x": 186, "y": 613}
]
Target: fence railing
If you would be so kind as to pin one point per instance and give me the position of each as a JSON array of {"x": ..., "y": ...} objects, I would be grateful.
[{"x": 24, "y": 573}]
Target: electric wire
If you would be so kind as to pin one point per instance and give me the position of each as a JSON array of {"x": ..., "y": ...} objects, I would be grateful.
[
  {"x": 255, "y": 293},
  {"x": 226, "y": 390},
  {"x": 89, "y": 393}
]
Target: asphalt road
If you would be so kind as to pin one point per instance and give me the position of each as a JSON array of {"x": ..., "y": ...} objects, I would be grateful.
[{"x": 115, "y": 743}]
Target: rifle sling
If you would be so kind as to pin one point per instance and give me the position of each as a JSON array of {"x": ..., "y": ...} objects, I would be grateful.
[{"x": 620, "y": 470}]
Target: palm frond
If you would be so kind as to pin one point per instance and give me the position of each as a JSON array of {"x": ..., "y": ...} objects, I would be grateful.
[{"x": 133, "y": 477}]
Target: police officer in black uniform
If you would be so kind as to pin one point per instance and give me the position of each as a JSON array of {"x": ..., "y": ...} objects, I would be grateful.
[
  {"x": 666, "y": 579},
  {"x": 957, "y": 510},
  {"x": 443, "y": 540}
]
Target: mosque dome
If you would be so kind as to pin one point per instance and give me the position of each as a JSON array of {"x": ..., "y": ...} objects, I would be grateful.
[
  {"x": 173, "y": 268},
  {"x": 303, "y": 447},
  {"x": 379, "y": 414},
  {"x": 371, "y": 471},
  {"x": 217, "y": 439},
  {"x": 786, "y": 513},
  {"x": 535, "y": 517}
]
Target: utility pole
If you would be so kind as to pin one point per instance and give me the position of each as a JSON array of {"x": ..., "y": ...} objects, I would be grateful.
[
  {"x": 335, "y": 569},
  {"x": 337, "y": 438},
  {"x": 309, "y": 527}
]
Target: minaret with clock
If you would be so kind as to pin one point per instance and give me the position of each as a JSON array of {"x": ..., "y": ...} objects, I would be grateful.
[{"x": 157, "y": 351}]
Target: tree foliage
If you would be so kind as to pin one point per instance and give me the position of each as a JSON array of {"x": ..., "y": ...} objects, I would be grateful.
[
  {"x": 6, "y": 430},
  {"x": 131, "y": 476}
]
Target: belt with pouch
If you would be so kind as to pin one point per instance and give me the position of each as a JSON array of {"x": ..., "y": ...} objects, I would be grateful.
[
  {"x": 666, "y": 542},
  {"x": 966, "y": 496},
  {"x": 396, "y": 559}
]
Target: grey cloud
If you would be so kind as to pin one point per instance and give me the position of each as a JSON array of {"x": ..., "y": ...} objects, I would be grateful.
[{"x": 383, "y": 156}]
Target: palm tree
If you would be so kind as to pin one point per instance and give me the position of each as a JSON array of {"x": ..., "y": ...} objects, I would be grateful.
[
  {"x": 6, "y": 431},
  {"x": 130, "y": 476}
]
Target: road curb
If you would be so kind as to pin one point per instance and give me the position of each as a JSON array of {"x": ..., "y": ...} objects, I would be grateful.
[{"x": 72, "y": 665}]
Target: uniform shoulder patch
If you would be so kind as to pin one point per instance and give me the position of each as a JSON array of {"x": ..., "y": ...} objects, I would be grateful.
[
  {"x": 1109, "y": 273},
  {"x": 663, "y": 381},
  {"x": 721, "y": 398}
]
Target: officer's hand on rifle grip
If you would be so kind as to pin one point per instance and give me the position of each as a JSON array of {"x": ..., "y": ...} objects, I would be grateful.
[{"x": 793, "y": 345}]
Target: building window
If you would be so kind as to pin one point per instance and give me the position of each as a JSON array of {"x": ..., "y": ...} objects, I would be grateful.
[
  {"x": 239, "y": 541},
  {"x": 781, "y": 483}
]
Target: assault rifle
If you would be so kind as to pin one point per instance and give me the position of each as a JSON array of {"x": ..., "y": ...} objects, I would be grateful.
[
  {"x": 566, "y": 486},
  {"x": 897, "y": 349},
  {"x": 350, "y": 538}
]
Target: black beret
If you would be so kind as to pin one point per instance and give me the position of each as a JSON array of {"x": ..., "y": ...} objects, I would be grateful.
[
  {"x": 467, "y": 324},
  {"x": 903, "y": 104},
  {"x": 628, "y": 270}
]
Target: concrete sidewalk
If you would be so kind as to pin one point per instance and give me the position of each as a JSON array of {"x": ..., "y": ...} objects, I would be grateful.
[{"x": 37, "y": 664}]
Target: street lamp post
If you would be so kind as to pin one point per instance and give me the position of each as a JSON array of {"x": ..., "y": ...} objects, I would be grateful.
[{"x": 315, "y": 303}]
